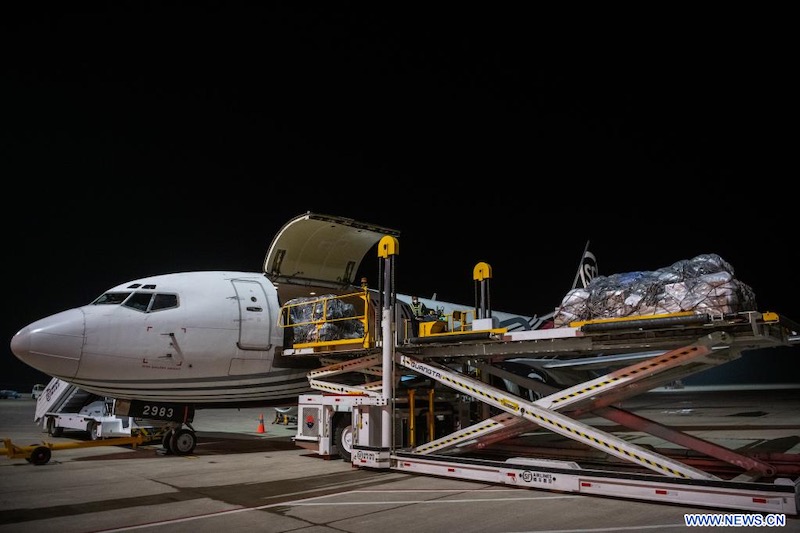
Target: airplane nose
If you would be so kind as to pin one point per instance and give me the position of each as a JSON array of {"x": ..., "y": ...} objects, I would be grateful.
[{"x": 52, "y": 345}]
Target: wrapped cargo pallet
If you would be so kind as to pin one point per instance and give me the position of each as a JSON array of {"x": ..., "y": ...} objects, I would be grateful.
[
  {"x": 704, "y": 284},
  {"x": 322, "y": 319}
]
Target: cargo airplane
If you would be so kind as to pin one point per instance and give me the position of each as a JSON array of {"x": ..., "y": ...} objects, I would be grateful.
[{"x": 171, "y": 343}]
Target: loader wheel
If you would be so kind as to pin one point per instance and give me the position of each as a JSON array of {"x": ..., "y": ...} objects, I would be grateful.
[
  {"x": 343, "y": 439},
  {"x": 40, "y": 455},
  {"x": 52, "y": 429},
  {"x": 91, "y": 429}
]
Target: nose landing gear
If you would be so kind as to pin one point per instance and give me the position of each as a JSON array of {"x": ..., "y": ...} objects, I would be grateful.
[{"x": 179, "y": 441}]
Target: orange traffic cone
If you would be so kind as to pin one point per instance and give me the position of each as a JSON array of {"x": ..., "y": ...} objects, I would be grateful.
[{"x": 261, "y": 424}]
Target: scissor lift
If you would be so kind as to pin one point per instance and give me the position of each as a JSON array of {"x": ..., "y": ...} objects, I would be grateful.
[
  {"x": 702, "y": 488},
  {"x": 681, "y": 344},
  {"x": 649, "y": 475}
]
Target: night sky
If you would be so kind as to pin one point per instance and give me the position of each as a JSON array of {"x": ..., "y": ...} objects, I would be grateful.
[{"x": 140, "y": 140}]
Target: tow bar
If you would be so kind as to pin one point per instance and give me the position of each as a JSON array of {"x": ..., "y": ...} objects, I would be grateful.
[{"x": 39, "y": 454}]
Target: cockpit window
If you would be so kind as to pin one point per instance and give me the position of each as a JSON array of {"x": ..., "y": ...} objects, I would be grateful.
[
  {"x": 147, "y": 302},
  {"x": 139, "y": 301},
  {"x": 111, "y": 298},
  {"x": 164, "y": 301}
]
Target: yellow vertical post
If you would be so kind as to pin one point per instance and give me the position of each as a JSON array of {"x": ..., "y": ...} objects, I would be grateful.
[
  {"x": 482, "y": 273},
  {"x": 388, "y": 247}
]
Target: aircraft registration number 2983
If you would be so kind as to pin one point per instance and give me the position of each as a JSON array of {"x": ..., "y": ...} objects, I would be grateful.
[{"x": 175, "y": 412}]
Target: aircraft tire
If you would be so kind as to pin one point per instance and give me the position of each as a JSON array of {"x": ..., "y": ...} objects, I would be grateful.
[
  {"x": 343, "y": 439},
  {"x": 40, "y": 455},
  {"x": 166, "y": 441},
  {"x": 183, "y": 441}
]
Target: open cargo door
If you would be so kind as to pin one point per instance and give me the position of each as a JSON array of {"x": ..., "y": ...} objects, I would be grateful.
[{"x": 314, "y": 252}]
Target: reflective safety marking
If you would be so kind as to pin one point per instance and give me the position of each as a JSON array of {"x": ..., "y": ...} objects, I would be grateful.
[
  {"x": 457, "y": 437},
  {"x": 339, "y": 389},
  {"x": 508, "y": 403},
  {"x": 468, "y": 387},
  {"x": 648, "y": 366},
  {"x": 587, "y": 389},
  {"x": 347, "y": 366},
  {"x": 331, "y": 388},
  {"x": 587, "y": 437}
]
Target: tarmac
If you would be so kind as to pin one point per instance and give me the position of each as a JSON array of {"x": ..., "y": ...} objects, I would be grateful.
[{"x": 239, "y": 479}]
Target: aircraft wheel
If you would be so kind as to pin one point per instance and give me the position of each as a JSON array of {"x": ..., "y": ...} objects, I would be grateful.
[
  {"x": 166, "y": 441},
  {"x": 343, "y": 439},
  {"x": 91, "y": 428},
  {"x": 183, "y": 441},
  {"x": 52, "y": 429},
  {"x": 40, "y": 455}
]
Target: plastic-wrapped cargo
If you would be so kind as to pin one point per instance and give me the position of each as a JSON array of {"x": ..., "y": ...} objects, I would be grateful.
[
  {"x": 704, "y": 284},
  {"x": 308, "y": 312}
]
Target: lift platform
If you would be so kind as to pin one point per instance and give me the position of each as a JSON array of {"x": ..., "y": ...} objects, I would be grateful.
[
  {"x": 647, "y": 474},
  {"x": 641, "y": 353}
]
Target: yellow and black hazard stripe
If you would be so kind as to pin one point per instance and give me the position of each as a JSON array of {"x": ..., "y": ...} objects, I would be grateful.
[
  {"x": 650, "y": 365},
  {"x": 608, "y": 445},
  {"x": 453, "y": 440}
]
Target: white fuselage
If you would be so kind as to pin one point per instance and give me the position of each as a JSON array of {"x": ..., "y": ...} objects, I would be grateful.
[{"x": 213, "y": 341}]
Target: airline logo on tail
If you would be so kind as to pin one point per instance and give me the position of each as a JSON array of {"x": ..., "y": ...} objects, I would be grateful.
[{"x": 588, "y": 270}]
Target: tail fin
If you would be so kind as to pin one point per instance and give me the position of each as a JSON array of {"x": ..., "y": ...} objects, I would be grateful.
[{"x": 587, "y": 269}]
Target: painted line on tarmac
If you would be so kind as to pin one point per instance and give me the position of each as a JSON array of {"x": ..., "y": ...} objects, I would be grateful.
[{"x": 309, "y": 502}]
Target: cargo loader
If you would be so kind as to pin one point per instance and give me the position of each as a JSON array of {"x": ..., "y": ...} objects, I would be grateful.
[{"x": 443, "y": 402}]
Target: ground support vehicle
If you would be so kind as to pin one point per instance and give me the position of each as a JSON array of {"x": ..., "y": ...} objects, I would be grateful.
[
  {"x": 97, "y": 419},
  {"x": 468, "y": 371},
  {"x": 64, "y": 407},
  {"x": 37, "y": 391}
]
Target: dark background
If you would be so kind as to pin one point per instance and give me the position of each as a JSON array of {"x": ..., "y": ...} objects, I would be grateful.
[{"x": 140, "y": 139}]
